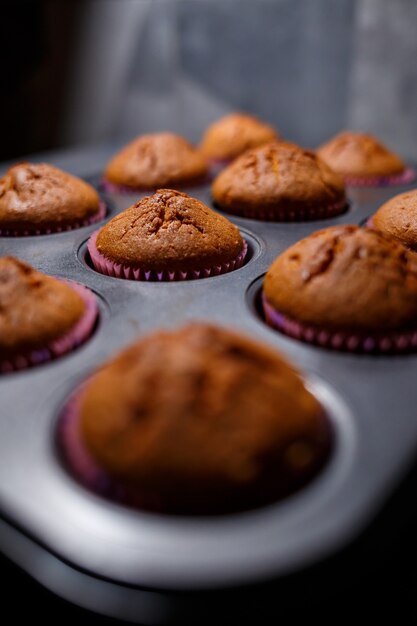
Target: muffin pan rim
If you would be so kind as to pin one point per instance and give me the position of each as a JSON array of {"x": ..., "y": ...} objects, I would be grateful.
[{"x": 192, "y": 573}]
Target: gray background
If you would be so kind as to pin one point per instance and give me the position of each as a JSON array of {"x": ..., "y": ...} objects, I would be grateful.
[{"x": 310, "y": 67}]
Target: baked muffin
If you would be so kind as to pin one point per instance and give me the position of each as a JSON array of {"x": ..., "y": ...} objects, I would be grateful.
[
  {"x": 398, "y": 218},
  {"x": 41, "y": 317},
  {"x": 198, "y": 420},
  {"x": 39, "y": 199},
  {"x": 346, "y": 288},
  {"x": 167, "y": 236},
  {"x": 363, "y": 160},
  {"x": 279, "y": 182},
  {"x": 227, "y": 138},
  {"x": 152, "y": 161}
]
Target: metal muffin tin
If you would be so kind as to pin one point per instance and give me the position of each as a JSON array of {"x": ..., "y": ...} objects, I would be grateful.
[{"x": 140, "y": 566}]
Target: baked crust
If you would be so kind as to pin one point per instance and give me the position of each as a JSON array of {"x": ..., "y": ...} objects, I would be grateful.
[
  {"x": 157, "y": 160},
  {"x": 346, "y": 278},
  {"x": 398, "y": 218},
  {"x": 40, "y": 196},
  {"x": 360, "y": 154},
  {"x": 202, "y": 419},
  {"x": 169, "y": 231},
  {"x": 278, "y": 177},
  {"x": 231, "y": 135},
  {"x": 35, "y": 309}
]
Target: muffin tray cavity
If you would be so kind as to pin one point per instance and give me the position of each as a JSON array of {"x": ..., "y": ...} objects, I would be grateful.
[{"x": 136, "y": 565}]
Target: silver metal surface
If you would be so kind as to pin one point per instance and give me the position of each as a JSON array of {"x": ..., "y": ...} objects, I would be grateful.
[{"x": 370, "y": 399}]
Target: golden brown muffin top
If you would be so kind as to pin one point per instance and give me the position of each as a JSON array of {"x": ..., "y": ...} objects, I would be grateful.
[
  {"x": 346, "y": 278},
  {"x": 156, "y": 160},
  {"x": 203, "y": 419},
  {"x": 398, "y": 218},
  {"x": 233, "y": 134},
  {"x": 35, "y": 309},
  {"x": 360, "y": 154},
  {"x": 41, "y": 194},
  {"x": 277, "y": 175},
  {"x": 169, "y": 231}
]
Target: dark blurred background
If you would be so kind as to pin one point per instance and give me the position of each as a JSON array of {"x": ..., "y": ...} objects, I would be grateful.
[{"x": 84, "y": 72}]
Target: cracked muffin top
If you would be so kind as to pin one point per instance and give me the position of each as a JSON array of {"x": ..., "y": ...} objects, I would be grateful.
[
  {"x": 169, "y": 231},
  {"x": 35, "y": 309},
  {"x": 40, "y": 195},
  {"x": 360, "y": 154},
  {"x": 203, "y": 420},
  {"x": 228, "y": 137},
  {"x": 346, "y": 278},
  {"x": 398, "y": 218},
  {"x": 157, "y": 160},
  {"x": 279, "y": 177}
]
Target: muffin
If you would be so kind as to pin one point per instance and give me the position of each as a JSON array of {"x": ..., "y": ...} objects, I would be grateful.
[
  {"x": 167, "y": 236},
  {"x": 227, "y": 138},
  {"x": 363, "y": 160},
  {"x": 347, "y": 288},
  {"x": 279, "y": 182},
  {"x": 153, "y": 161},
  {"x": 398, "y": 218},
  {"x": 41, "y": 317},
  {"x": 40, "y": 199},
  {"x": 198, "y": 420}
]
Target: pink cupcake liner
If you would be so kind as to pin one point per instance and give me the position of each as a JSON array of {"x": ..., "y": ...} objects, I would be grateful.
[
  {"x": 77, "y": 335},
  {"x": 110, "y": 187},
  {"x": 406, "y": 177},
  {"x": 389, "y": 342},
  {"x": 86, "y": 470},
  {"x": 118, "y": 270},
  {"x": 43, "y": 230},
  {"x": 302, "y": 214}
]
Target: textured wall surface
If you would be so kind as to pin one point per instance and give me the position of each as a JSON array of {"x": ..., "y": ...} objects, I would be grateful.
[
  {"x": 383, "y": 94},
  {"x": 286, "y": 60},
  {"x": 311, "y": 67}
]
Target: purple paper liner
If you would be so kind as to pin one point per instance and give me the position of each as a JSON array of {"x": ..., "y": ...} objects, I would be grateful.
[
  {"x": 110, "y": 187},
  {"x": 73, "y": 338},
  {"x": 379, "y": 343},
  {"x": 406, "y": 177},
  {"x": 118, "y": 270},
  {"x": 301, "y": 214},
  {"x": 25, "y": 232},
  {"x": 86, "y": 470}
]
